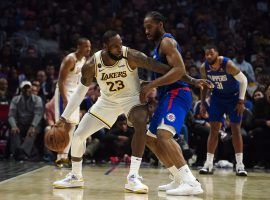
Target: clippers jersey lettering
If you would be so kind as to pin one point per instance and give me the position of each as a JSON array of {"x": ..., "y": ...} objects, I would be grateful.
[
  {"x": 163, "y": 90},
  {"x": 225, "y": 84},
  {"x": 117, "y": 81}
]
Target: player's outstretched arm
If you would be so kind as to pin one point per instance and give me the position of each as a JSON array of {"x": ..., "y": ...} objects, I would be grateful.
[
  {"x": 139, "y": 59},
  {"x": 88, "y": 73}
]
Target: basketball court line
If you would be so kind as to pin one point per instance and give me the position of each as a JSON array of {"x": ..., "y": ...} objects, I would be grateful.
[
  {"x": 21, "y": 175},
  {"x": 111, "y": 169}
]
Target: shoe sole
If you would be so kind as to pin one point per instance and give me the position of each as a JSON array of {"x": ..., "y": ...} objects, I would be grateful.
[
  {"x": 241, "y": 174},
  {"x": 206, "y": 173},
  {"x": 66, "y": 187},
  {"x": 136, "y": 192},
  {"x": 196, "y": 192}
]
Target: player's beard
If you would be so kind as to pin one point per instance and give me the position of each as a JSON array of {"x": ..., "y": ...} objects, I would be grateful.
[
  {"x": 213, "y": 62},
  {"x": 114, "y": 57}
]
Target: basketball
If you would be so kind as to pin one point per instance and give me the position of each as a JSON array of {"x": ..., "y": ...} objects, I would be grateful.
[{"x": 57, "y": 138}]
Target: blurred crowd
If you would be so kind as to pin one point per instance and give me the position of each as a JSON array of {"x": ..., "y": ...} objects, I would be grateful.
[{"x": 36, "y": 35}]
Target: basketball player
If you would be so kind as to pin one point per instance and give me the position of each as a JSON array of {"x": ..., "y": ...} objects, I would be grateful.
[
  {"x": 175, "y": 100},
  {"x": 227, "y": 98},
  {"x": 115, "y": 69},
  {"x": 69, "y": 79}
]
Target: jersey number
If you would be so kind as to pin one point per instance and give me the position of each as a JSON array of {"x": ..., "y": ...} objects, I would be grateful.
[
  {"x": 219, "y": 85},
  {"x": 115, "y": 86}
]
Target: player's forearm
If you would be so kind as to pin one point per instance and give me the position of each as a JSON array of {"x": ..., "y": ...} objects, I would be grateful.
[
  {"x": 171, "y": 77},
  {"x": 203, "y": 95},
  {"x": 188, "y": 79},
  {"x": 156, "y": 66},
  {"x": 75, "y": 100},
  {"x": 241, "y": 78}
]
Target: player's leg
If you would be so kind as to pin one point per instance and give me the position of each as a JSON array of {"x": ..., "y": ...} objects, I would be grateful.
[
  {"x": 168, "y": 121},
  {"x": 62, "y": 158},
  {"x": 88, "y": 126},
  {"x": 184, "y": 182},
  {"x": 216, "y": 112},
  {"x": 237, "y": 139},
  {"x": 138, "y": 117}
]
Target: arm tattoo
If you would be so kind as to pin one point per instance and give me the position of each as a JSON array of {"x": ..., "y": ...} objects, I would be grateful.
[{"x": 139, "y": 59}]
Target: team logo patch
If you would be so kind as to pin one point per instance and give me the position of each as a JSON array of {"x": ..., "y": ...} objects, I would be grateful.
[{"x": 170, "y": 117}]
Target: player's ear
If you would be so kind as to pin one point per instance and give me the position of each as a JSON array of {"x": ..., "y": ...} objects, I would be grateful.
[{"x": 161, "y": 24}]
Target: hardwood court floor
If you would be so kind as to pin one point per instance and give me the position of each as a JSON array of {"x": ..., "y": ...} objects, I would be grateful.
[{"x": 37, "y": 185}]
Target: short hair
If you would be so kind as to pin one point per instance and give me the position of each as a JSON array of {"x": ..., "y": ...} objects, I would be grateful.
[
  {"x": 81, "y": 40},
  {"x": 210, "y": 46},
  {"x": 156, "y": 16},
  {"x": 108, "y": 35}
]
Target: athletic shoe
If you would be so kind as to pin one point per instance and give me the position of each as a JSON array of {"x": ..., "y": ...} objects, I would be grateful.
[
  {"x": 207, "y": 168},
  {"x": 135, "y": 185},
  {"x": 70, "y": 181},
  {"x": 240, "y": 170},
  {"x": 186, "y": 189}
]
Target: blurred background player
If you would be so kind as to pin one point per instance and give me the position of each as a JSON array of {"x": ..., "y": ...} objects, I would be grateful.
[
  {"x": 69, "y": 78},
  {"x": 227, "y": 98}
]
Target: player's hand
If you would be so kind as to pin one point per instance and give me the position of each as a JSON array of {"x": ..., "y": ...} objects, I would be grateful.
[
  {"x": 203, "y": 83},
  {"x": 145, "y": 90},
  {"x": 61, "y": 122},
  {"x": 15, "y": 130},
  {"x": 240, "y": 107}
]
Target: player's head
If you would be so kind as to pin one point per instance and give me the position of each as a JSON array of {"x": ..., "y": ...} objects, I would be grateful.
[
  {"x": 112, "y": 43},
  {"x": 154, "y": 25},
  {"x": 84, "y": 46},
  {"x": 211, "y": 54}
]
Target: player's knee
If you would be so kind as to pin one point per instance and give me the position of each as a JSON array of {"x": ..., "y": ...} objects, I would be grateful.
[
  {"x": 139, "y": 116},
  {"x": 151, "y": 142},
  {"x": 163, "y": 137},
  {"x": 77, "y": 139}
]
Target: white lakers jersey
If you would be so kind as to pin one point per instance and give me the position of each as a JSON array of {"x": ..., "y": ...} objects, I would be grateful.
[
  {"x": 74, "y": 76},
  {"x": 116, "y": 81}
]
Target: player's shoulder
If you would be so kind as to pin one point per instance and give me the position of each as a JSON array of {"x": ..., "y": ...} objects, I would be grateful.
[
  {"x": 168, "y": 44},
  {"x": 71, "y": 57}
]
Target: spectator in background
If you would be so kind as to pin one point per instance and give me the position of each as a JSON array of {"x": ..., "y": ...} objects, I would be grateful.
[
  {"x": 25, "y": 114},
  {"x": 117, "y": 142},
  {"x": 51, "y": 80},
  {"x": 260, "y": 133},
  {"x": 4, "y": 107},
  {"x": 244, "y": 66},
  {"x": 42, "y": 79}
]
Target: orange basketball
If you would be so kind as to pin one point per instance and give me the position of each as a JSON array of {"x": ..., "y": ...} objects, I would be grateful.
[{"x": 57, "y": 138}]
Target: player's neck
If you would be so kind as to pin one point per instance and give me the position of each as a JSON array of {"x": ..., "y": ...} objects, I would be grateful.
[
  {"x": 160, "y": 37},
  {"x": 216, "y": 65},
  {"x": 107, "y": 60}
]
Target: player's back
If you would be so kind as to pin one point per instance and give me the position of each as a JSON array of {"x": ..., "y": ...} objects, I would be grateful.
[
  {"x": 163, "y": 90},
  {"x": 225, "y": 84},
  {"x": 117, "y": 81}
]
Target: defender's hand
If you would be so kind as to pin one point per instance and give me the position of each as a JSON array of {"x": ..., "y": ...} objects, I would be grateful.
[
  {"x": 203, "y": 83},
  {"x": 145, "y": 90}
]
